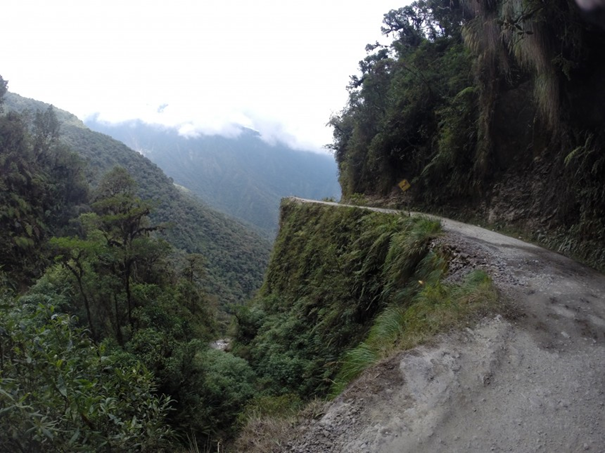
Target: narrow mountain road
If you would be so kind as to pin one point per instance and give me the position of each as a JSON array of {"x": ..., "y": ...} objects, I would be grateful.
[{"x": 530, "y": 382}]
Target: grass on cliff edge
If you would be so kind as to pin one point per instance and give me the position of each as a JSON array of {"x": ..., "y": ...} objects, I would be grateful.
[
  {"x": 393, "y": 258},
  {"x": 436, "y": 308}
]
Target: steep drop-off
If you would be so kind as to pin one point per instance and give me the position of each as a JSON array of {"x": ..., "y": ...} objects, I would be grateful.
[
  {"x": 528, "y": 380},
  {"x": 345, "y": 288},
  {"x": 520, "y": 373}
]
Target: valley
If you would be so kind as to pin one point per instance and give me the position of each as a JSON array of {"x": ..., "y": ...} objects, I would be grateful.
[
  {"x": 242, "y": 176},
  {"x": 236, "y": 255}
]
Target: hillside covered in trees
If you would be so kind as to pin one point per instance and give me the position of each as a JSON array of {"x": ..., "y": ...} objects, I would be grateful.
[
  {"x": 235, "y": 257},
  {"x": 493, "y": 110},
  {"x": 242, "y": 176},
  {"x": 107, "y": 308}
]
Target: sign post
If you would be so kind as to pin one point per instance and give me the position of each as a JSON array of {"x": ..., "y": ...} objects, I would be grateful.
[{"x": 404, "y": 185}]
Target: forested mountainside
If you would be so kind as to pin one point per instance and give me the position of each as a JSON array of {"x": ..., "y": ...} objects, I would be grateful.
[
  {"x": 493, "y": 110},
  {"x": 235, "y": 257},
  {"x": 242, "y": 176},
  {"x": 105, "y": 326}
]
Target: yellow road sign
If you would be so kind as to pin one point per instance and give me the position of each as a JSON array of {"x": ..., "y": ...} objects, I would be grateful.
[{"x": 404, "y": 185}]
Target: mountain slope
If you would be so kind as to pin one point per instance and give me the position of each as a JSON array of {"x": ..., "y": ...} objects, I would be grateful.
[
  {"x": 242, "y": 176},
  {"x": 235, "y": 256}
]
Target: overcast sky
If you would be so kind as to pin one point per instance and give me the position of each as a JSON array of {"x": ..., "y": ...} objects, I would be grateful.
[{"x": 280, "y": 67}]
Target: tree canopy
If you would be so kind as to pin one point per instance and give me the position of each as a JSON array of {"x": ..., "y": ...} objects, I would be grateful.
[
  {"x": 105, "y": 325},
  {"x": 469, "y": 96}
]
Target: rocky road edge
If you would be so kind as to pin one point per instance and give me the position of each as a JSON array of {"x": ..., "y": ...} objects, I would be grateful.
[{"x": 532, "y": 383}]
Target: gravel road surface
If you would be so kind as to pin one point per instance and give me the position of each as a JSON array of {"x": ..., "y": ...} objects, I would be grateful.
[{"x": 531, "y": 382}]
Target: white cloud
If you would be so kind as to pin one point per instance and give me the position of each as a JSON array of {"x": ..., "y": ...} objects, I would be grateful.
[{"x": 280, "y": 67}]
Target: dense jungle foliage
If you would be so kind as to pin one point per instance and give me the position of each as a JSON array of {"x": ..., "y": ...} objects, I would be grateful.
[
  {"x": 235, "y": 257},
  {"x": 492, "y": 109},
  {"x": 332, "y": 271},
  {"x": 104, "y": 324}
]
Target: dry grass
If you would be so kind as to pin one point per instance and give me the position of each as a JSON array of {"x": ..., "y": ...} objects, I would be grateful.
[{"x": 264, "y": 433}]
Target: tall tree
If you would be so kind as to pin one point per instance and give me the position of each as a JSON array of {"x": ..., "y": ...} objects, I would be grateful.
[{"x": 122, "y": 271}]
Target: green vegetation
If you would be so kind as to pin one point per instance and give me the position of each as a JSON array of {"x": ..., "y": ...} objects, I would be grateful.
[
  {"x": 104, "y": 325},
  {"x": 119, "y": 271},
  {"x": 235, "y": 257},
  {"x": 61, "y": 392},
  {"x": 491, "y": 109},
  {"x": 437, "y": 307},
  {"x": 41, "y": 187},
  {"x": 333, "y": 271}
]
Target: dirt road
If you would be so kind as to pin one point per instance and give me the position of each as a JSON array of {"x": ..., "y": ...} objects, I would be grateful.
[{"x": 532, "y": 383}]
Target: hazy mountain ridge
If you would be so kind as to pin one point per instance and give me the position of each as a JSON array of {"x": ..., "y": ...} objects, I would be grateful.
[
  {"x": 235, "y": 256},
  {"x": 242, "y": 176}
]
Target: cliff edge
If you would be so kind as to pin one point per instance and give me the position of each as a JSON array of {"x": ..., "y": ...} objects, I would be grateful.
[{"x": 529, "y": 381}]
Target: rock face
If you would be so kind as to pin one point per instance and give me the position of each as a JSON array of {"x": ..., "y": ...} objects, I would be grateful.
[{"x": 530, "y": 381}]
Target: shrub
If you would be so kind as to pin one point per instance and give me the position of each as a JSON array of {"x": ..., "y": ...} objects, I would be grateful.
[{"x": 61, "y": 392}]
